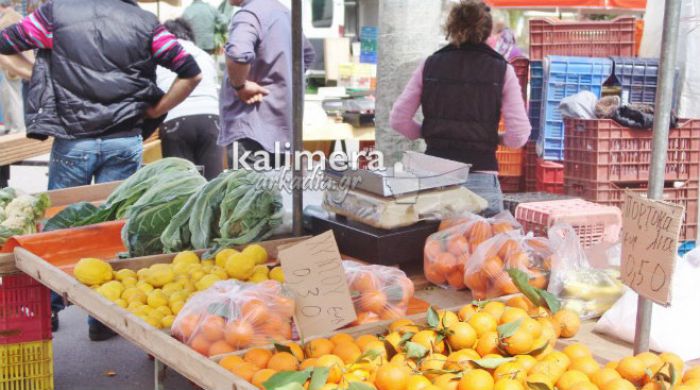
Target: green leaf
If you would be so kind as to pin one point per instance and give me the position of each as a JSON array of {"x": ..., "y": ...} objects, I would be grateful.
[
  {"x": 359, "y": 386},
  {"x": 415, "y": 350},
  {"x": 673, "y": 375},
  {"x": 368, "y": 356},
  {"x": 390, "y": 350},
  {"x": 507, "y": 330},
  {"x": 71, "y": 216},
  {"x": 277, "y": 381},
  {"x": 540, "y": 349},
  {"x": 282, "y": 348},
  {"x": 553, "y": 303},
  {"x": 538, "y": 386},
  {"x": 433, "y": 319},
  {"x": 290, "y": 386},
  {"x": 491, "y": 363},
  {"x": 318, "y": 378},
  {"x": 521, "y": 279},
  {"x": 406, "y": 336}
]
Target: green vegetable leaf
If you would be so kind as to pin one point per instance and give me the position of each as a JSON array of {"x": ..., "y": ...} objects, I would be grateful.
[
  {"x": 507, "y": 330},
  {"x": 491, "y": 363},
  {"x": 359, "y": 386},
  {"x": 538, "y": 386},
  {"x": 415, "y": 350},
  {"x": 71, "y": 216},
  {"x": 282, "y": 348},
  {"x": 521, "y": 279},
  {"x": 433, "y": 319},
  {"x": 284, "y": 378},
  {"x": 551, "y": 300},
  {"x": 318, "y": 378}
]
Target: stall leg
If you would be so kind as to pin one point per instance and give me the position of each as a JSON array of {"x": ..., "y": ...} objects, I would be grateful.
[
  {"x": 159, "y": 374},
  {"x": 4, "y": 176}
]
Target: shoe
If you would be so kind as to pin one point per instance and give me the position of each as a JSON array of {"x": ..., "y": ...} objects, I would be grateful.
[
  {"x": 54, "y": 320},
  {"x": 99, "y": 332}
]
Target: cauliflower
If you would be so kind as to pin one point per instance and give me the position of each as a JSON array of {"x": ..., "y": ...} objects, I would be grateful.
[
  {"x": 16, "y": 222},
  {"x": 6, "y": 195},
  {"x": 2, "y": 215},
  {"x": 22, "y": 206}
]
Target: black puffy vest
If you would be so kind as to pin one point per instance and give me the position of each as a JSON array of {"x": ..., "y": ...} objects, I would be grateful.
[
  {"x": 99, "y": 78},
  {"x": 461, "y": 99}
]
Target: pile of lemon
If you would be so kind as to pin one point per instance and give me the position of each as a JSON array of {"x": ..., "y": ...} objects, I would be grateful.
[{"x": 157, "y": 294}]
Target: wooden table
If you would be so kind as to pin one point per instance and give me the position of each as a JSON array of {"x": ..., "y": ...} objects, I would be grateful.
[{"x": 17, "y": 147}]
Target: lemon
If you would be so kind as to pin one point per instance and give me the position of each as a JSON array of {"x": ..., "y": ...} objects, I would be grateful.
[
  {"x": 164, "y": 310},
  {"x": 193, "y": 267},
  {"x": 207, "y": 268},
  {"x": 257, "y": 278},
  {"x": 171, "y": 288},
  {"x": 91, "y": 271},
  {"x": 196, "y": 275},
  {"x": 223, "y": 255},
  {"x": 188, "y": 286},
  {"x": 176, "y": 306},
  {"x": 160, "y": 276},
  {"x": 123, "y": 274},
  {"x": 167, "y": 322},
  {"x": 145, "y": 287},
  {"x": 208, "y": 263},
  {"x": 132, "y": 306},
  {"x": 178, "y": 296},
  {"x": 130, "y": 292},
  {"x": 206, "y": 281},
  {"x": 220, "y": 272},
  {"x": 129, "y": 282},
  {"x": 277, "y": 274},
  {"x": 180, "y": 269},
  {"x": 240, "y": 266},
  {"x": 153, "y": 321},
  {"x": 111, "y": 294},
  {"x": 141, "y": 274},
  {"x": 261, "y": 269},
  {"x": 113, "y": 284},
  {"x": 144, "y": 310},
  {"x": 121, "y": 303},
  {"x": 257, "y": 252},
  {"x": 157, "y": 298},
  {"x": 188, "y": 257}
]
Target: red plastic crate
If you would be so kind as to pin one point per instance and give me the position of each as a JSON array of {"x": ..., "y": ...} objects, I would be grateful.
[
  {"x": 582, "y": 39},
  {"x": 602, "y": 150},
  {"x": 25, "y": 310},
  {"x": 683, "y": 193},
  {"x": 521, "y": 65},
  {"x": 510, "y": 161},
  {"x": 592, "y": 222},
  {"x": 510, "y": 184},
  {"x": 530, "y": 164},
  {"x": 550, "y": 177}
]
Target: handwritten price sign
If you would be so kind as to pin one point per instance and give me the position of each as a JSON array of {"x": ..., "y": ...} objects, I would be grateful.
[
  {"x": 313, "y": 270},
  {"x": 650, "y": 232}
]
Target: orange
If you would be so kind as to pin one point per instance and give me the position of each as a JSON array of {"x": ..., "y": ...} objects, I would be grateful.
[
  {"x": 577, "y": 350},
  {"x": 391, "y": 377},
  {"x": 492, "y": 267},
  {"x": 611, "y": 365},
  {"x": 532, "y": 327},
  {"x": 632, "y": 369},
  {"x": 433, "y": 362},
  {"x": 230, "y": 361},
  {"x": 552, "y": 323},
  {"x": 361, "y": 341},
  {"x": 417, "y": 382},
  {"x": 373, "y": 301},
  {"x": 692, "y": 373},
  {"x": 283, "y": 361},
  {"x": 445, "y": 263},
  {"x": 683, "y": 387},
  {"x": 296, "y": 350},
  {"x": 569, "y": 322},
  {"x": 526, "y": 361},
  {"x": 348, "y": 352},
  {"x": 504, "y": 284},
  {"x": 538, "y": 281},
  {"x": 692, "y": 383},
  {"x": 510, "y": 370},
  {"x": 219, "y": 347},
  {"x": 547, "y": 369},
  {"x": 488, "y": 343},
  {"x": 508, "y": 247},
  {"x": 403, "y": 326},
  {"x": 458, "y": 245},
  {"x": 310, "y": 362},
  {"x": 461, "y": 360},
  {"x": 584, "y": 386},
  {"x": 212, "y": 327},
  {"x": 501, "y": 227},
  {"x": 508, "y": 384},
  {"x": 477, "y": 282},
  {"x": 335, "y": 367},
  {"x": 261, "y": 377},
  {"x": 495, "y": 308},
  {"x": 482, "y": 323},
  {"x": 401, "y": 360},
  {"x": 672, "y": 358},
  {"x": 650, "y": 359},
  {"x": 428, "y": 339},
  {"x": 603, "y": 376},
  {"x": 255, "y": 312},
  {"x": 244, "y": 370},
  {"x": 366, "y": 281},
  {"x": 186, "y": 327},
  {"x": 466, "y": 312},
  {"x": 520, "y": 342},
  {"x": 447, "y": 382},
  {"x": 391, "y": 313},
  {"x": 393, "y": 338},
  {"x": 341, "y": 338},
  {"x": 446, "y": 318},
  {"x": 432, "y": 248},
  {"x": 238, "y": 333},
  {"x": 377, "y": 347},
  {"x": 559, "y": 358},
  {"x": 520, "y": 302},
  {"x": 539, "y": 378},
  {"x": 571, "y": 378},
  {"x": 200, "y": 344},
  {"x": 618, "y": 384},
  {"x": 476, "y": 380},
  {"x": 365, "y": 317},
  {"x": 512, "y": 314},
  {"x": 258, "y": 356},
  {"x": 586, "y": 365},
  {"x": 318, "y": 347},
  {"x": 461, "y": 335}
]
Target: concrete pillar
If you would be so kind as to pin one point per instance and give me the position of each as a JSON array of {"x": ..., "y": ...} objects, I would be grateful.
[{"x": 409, "y": 31}]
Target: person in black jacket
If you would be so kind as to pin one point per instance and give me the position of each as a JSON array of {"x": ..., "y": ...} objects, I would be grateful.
[{"x": 93, "y": 89}]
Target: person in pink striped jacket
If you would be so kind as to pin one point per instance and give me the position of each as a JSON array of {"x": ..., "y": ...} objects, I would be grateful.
[{"x": 464, "y": 89}]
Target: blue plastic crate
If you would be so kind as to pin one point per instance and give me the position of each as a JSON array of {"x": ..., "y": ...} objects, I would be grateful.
[
  {"x": 368, "y": 58},
  {"x": 535, "y": 105},
  {"x": 566, "y": 76},
  {"x": 685, "y": 247},
  {"x": 638, "y": 78}
]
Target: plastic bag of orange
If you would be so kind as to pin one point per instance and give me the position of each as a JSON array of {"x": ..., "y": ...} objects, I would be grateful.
[
  {"x": 447, "y": 251},
  {"x": 233, "y": 315},
  {"x": 485, "y": 273},
  {"x": 378, "y": 292}
]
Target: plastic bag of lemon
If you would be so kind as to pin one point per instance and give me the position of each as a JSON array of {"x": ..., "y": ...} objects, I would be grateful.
[
  {"x": 157, "y": 293},
  {"x": 490, "y": 346}
]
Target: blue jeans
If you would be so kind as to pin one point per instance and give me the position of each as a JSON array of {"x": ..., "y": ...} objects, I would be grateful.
[
  {"x": 77, "y": 162},
  {"x": 486, "y": 185}
]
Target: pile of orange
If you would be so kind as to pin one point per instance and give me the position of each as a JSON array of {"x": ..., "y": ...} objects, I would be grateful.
[
  {"x": 485, "y": 274},
  {"x": 379, "y": 292},
  {"x": 234, "y": 315},
  {"x": 447, "y": 252}
]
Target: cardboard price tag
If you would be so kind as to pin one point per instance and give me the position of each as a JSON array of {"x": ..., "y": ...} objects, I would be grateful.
[
  {"x": 650, "y": 231},
  {"x": 313, "y": 270}
]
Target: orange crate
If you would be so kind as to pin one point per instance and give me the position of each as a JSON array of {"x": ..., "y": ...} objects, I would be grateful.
[{"x": 510, "y": 161}]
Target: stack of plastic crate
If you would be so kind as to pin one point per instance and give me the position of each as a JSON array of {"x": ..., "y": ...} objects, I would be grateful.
[
  {"x": 604, "y": 158},
  {"x": 530, "y": 167},
  {"x": 521, "y": 65},
  {"x": 638, "y": 78},
  {"x": 550, "y": 177},
  {"x": 26, "y": 356},
  {"x": 512, "y": 201},
  {"x": 510, "y": 168},
  {"x": 535, "y": 104},
  {"x": 592, "y": 222}
]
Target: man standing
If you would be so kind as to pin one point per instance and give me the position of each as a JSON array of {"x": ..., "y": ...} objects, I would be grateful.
[
  {"x": 205, "y": 21},
  {"x": 256, "y": 98},
  {"x": 11, "y": 84},
  {"x": 94, "y": 89}
]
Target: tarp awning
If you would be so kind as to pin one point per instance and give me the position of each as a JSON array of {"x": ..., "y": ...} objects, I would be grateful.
[{"x": 602, "y": 4}]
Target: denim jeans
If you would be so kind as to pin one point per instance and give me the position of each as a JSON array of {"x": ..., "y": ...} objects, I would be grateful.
[
  {"x": 486, "y": 185},
  {"x": 77, "y": 162}
]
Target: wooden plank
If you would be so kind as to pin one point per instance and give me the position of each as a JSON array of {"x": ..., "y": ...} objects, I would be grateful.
[
  {"x": 17, "y": 147},
  {"x": 89, "y": 193},
  {"x": 168, "y": 350},
  {"x": 7, "y": 264}
]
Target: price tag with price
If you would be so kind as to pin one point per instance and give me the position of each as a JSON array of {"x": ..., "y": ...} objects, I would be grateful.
[
  {"x": 650, "y": 231},
  {"x": 313, "y": 271}
]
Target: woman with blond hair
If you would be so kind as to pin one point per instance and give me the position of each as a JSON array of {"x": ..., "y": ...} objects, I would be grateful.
[{"x": 464, "y": 88}]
